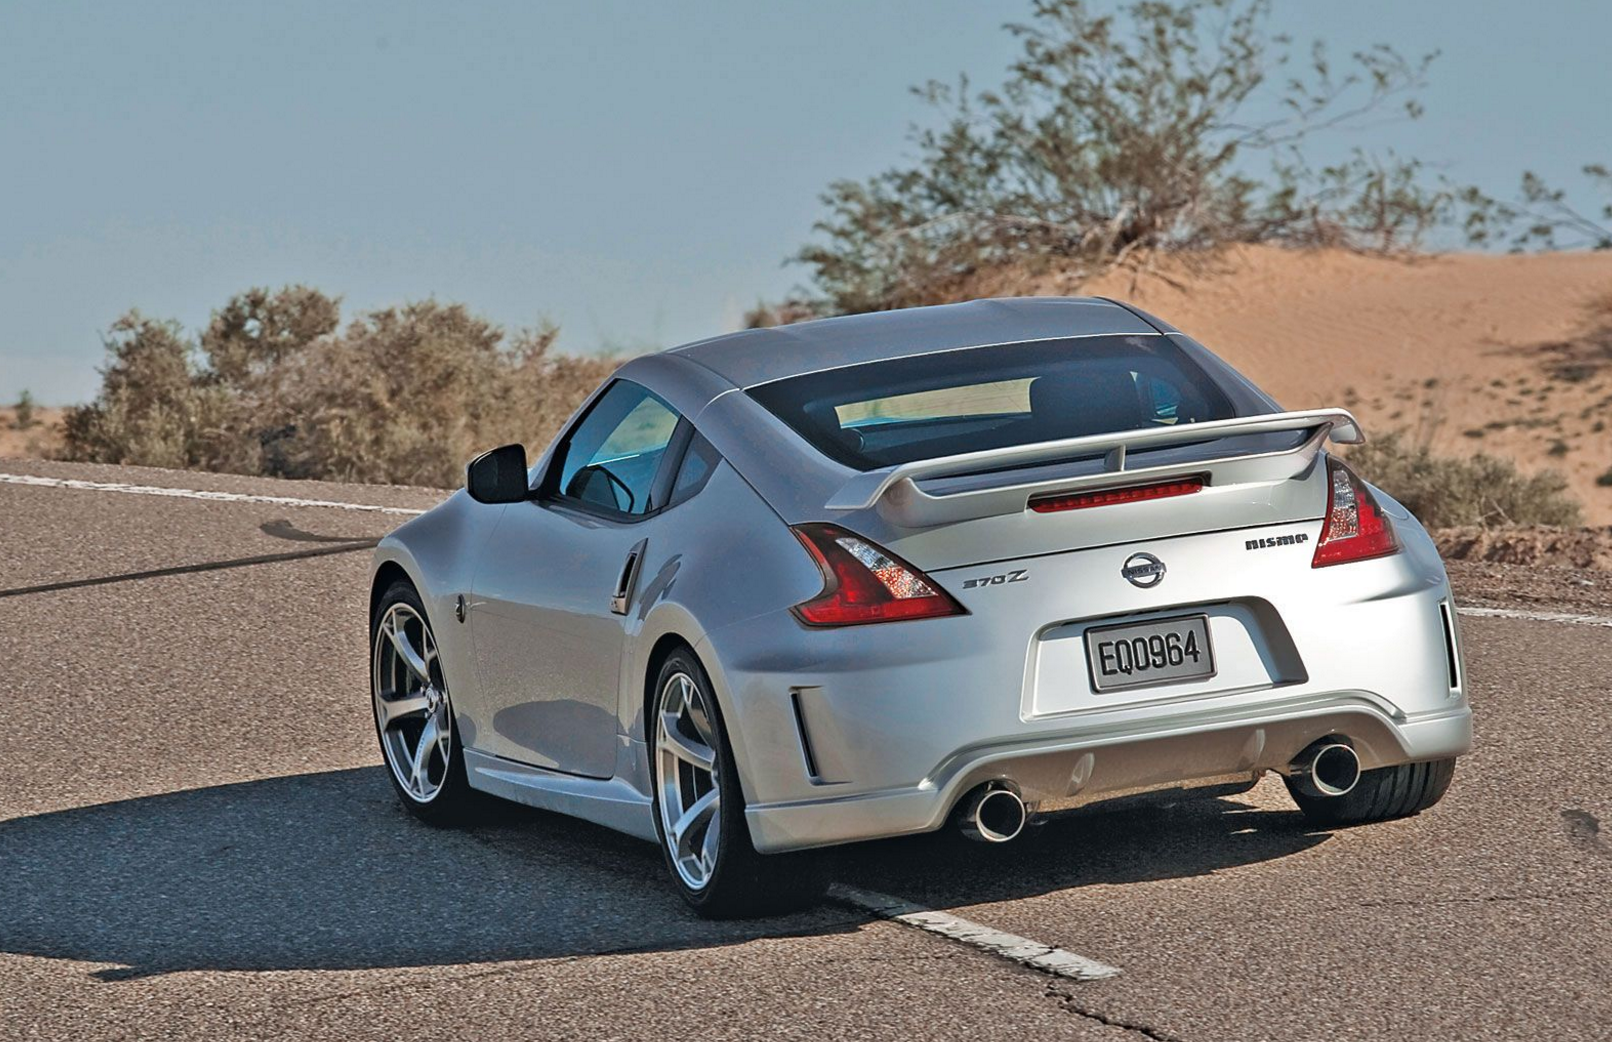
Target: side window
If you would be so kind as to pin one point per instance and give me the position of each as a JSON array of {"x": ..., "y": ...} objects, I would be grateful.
[
  {"x": 611, "y": 457},
  {"x": 698, "y": 462}
]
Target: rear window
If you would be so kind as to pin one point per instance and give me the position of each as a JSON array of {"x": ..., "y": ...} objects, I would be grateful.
[{"x": 885, "y": 413}]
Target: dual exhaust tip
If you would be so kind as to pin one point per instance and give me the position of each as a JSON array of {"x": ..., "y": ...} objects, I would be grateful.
[
  {"x": 992, "y": 813},
  {"x": 995, "y": 812},
  {"x": 1327, "y": 768}
]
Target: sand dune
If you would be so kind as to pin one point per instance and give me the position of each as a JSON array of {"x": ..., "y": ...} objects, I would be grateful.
[{"x": 1510, "y": 355}]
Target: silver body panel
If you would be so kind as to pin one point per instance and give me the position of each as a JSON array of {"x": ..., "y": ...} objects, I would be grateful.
[{"x": 870, "y": 731}]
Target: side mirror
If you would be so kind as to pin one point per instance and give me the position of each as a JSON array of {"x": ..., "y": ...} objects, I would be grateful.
[{"x": 498, "y": 475}]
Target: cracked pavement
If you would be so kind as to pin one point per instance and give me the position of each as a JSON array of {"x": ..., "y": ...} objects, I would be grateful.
[{"x": 198, "y": 842}]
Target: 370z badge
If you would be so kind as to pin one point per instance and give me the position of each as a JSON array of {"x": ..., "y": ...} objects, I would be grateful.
[{"x": 1018, "y": 575}]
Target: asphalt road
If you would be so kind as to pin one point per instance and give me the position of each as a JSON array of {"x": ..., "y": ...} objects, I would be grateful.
[{"x": 197, "y": 841}]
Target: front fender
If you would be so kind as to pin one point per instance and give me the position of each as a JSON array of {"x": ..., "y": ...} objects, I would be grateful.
[{"x": 438, "y": 552}]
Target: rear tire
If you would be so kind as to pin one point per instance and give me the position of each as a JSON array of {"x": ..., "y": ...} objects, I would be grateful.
[
  {"x": 721, "y": 876},
  {"x": 1389, "y": 792}
]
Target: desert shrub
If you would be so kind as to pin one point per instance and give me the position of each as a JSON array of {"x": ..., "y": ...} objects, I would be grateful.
[
  {"x": 152, "y": 408},
  {"x": 1541, "y": 216},
  {"x": 22, "y": 414},
  {"x": 409, "y": 394},
  {"x": 1120, "y": 136},
  {"x": 1446, "y": 492},
  {"x": 403, "y": 395}
]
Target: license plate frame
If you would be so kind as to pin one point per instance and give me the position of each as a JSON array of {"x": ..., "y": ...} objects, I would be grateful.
[{"x": 1104, "y": 681}]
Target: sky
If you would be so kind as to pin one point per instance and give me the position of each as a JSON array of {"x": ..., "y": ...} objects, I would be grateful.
[{"x": 636, "y": 172}]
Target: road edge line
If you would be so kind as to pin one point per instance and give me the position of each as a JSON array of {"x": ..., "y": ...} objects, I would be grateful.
[
  {"x": 1020, "y": 950},
  {"x": 35, "y": 481}
]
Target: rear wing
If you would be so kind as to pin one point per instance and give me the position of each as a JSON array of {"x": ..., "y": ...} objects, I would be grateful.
[{"x": 895, "y": 489}]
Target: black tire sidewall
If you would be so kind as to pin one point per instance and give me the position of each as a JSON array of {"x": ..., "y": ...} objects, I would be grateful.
[
  {"x": 1381, "y": 795},
  {"x": 734, "y": 846}
]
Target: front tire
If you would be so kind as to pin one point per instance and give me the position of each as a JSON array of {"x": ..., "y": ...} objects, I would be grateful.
[
  {"x": 699, "y": 808},
  {"x": 414, "y": 713},
  {"x": 1389, "y": 792}
]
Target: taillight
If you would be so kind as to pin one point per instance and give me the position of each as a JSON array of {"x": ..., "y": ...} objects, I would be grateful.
[
  {"x": 1356, "y": 528},
  {"x": 1056, "y": 501},
  {"x": 865, "y": 583}
]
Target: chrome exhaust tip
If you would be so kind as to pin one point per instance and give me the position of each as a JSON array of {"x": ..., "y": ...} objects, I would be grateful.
[
  {"x": 992, "y": 813},
  {"x": 1327, "y": 768}
]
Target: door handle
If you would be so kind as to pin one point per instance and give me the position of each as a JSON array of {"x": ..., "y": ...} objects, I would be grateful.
[{"x": 628, "y": 577}]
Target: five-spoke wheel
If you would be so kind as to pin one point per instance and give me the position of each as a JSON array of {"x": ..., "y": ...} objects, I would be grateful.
[
  {"x": 699, "y": 806},
  {"x": 411, "y": 703},
  {"x": 689, "y": 788},
  {"x": 413, "y": 713}
]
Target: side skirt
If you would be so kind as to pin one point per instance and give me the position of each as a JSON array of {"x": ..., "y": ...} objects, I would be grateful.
[{"x": 615, "y": 803}]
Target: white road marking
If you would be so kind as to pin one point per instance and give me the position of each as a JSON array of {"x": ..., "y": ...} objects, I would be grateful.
[
  {"x": 292, "y": 501},
  {"x": 191, "y": 493},
  {"x": 1538, "y": 616},
  {"x": 1009, "y": 946}
]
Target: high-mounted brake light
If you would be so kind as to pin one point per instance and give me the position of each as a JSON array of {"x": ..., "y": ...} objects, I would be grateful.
[
  {"x": 1356, "y": 528},
  {"x": 1054, "y": 502},
  {"x": 864, "y": 583}
]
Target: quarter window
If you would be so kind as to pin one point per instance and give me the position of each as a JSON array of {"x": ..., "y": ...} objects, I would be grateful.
[
  {"x": 612, "y": 455},
  {"x": 699, "y": 461}
]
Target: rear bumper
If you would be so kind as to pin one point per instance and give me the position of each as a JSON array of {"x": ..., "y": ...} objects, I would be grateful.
[
  {"x": 1168, "y": 751},
  {"x": 868, "y": 732}
]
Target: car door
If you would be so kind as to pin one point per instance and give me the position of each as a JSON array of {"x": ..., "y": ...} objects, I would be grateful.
[{"x": 555, "y": 583}]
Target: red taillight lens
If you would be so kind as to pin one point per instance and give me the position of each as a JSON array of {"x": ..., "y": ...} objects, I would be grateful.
[
  {"x": 1108, "y": 496},
  {"x": 1356, "y": 528},
  {"x": 865, "y": 583}
]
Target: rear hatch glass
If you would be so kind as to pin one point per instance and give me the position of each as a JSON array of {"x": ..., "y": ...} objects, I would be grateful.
[{"x": 881, "y": 414}]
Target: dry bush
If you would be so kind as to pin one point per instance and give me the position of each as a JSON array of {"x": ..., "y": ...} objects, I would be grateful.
[
  {"x": 151, "y": 409},
  {"x": 403, "y": 395},
  {"x": 22, "y": 414},
  {"x": 1117, "y": 137},
  {"x": 1540, "y": 216},
  {"x": 1449, "y": 492}
]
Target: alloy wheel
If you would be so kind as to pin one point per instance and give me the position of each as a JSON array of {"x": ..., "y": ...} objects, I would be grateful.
[
  {"x": 690, "y": 792},
  {"x": 412, "y": 712}
]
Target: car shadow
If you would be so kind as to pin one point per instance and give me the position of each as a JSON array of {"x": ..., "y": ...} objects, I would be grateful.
[
  {"x": 326, "y": 871},
  {"x": 1124, "y": 842}
]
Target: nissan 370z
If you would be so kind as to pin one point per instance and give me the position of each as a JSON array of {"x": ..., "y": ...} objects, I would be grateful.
[{"x": 947, "y": 567}]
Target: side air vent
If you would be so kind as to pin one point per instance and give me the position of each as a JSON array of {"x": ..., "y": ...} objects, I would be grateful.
[
  {"x": 805, "y": 738},
  {"x": 1452, "y": 660}
]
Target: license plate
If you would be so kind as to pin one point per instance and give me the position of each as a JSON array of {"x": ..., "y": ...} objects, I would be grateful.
[{"x": 1144, "y": 654}]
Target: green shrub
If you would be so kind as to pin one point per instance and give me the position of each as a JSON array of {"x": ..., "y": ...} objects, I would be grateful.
[{"x": 1446, "y": 492}]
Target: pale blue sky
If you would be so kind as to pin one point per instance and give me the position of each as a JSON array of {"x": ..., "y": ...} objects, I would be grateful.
[{"x": 635, "y": 171}]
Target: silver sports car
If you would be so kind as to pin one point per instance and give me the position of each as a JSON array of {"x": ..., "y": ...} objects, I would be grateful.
[{"x": 868, "y": 576}]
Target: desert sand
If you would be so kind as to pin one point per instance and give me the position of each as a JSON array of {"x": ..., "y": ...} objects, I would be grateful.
[
  {"x": 41, "y": 440},
  {"x": 1509, "y": 355}
]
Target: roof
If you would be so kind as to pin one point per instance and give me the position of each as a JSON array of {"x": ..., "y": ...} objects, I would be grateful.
[{"x": 756, "y": 356}]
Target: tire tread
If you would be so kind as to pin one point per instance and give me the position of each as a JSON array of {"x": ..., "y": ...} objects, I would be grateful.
[{"x": 1381, "y": 795}]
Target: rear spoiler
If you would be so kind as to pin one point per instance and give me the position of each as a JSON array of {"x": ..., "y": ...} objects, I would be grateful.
[{"x": 896, "y": 492}]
